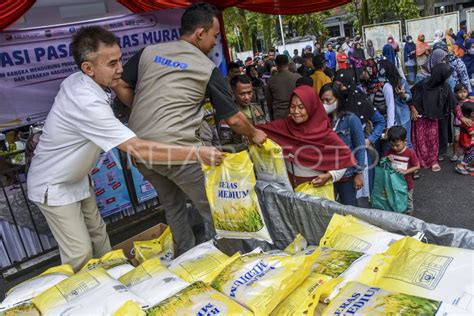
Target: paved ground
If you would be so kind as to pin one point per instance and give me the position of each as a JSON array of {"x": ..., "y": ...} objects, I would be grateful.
[{"x": 445, "y": 197}]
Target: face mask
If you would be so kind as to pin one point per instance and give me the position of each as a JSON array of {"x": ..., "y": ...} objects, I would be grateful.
[
  {"x": 410, "y": 41},
  {"x": 330, "y": 107},
  {"x": 382, "y": 72},
  {"x": 471, "y": 51},
  {"x": 390, "y": 40}
]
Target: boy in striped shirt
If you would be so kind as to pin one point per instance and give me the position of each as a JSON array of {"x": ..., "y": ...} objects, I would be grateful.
[{"x": 403, "y": 159}]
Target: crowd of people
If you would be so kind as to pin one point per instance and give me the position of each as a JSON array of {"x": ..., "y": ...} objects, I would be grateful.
[
  {"x": 334, "y": 113},
  {"x": 406, "y": 102}
]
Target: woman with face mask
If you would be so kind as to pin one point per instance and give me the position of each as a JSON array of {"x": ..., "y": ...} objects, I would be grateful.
[
  {"x": 349, "y": 129},
  {"x": 311, "y": 149}
]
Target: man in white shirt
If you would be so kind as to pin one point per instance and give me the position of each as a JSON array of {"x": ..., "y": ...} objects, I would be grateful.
[
  {"x": 346, "y": 46},
  {"x": 80, "y": 124}
]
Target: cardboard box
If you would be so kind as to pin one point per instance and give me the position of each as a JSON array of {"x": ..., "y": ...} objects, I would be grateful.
[{"x": 150, "y": 233}]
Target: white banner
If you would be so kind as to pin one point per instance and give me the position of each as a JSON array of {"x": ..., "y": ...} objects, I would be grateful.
[
  {"x": 33, "y": 62},
  {"x": 379, "y": 33},
  {"x": 429, "y": 25}
]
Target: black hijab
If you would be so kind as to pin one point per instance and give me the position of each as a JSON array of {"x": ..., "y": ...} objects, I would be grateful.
[
  {"x": 358, "y": 52},
  {"x": 389, "y": 72},
  {"x": 352, "y": 99},
  {"x": 433, "y": 96}
]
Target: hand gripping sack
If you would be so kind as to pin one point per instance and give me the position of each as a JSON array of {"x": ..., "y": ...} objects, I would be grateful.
[
  {"x": 269, "y": 163},
  {"x": 390, "y": 191},
  {"x": 232, "y": 198},
  {"x": 326, "y": 191}
]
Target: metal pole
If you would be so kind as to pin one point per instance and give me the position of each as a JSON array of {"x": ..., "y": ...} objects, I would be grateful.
[{"x": 282, "y": 35}]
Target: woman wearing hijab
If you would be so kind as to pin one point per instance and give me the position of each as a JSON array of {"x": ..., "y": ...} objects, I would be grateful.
[
  {"x": 393, "y": 43},
  {"x": 409, "y": 56},
  {"x": 438, "y": 36},
  {"x": 357, "y": 55},
  {"x": 469, "y": 57},
  {"x": 356, "y": 102},
  {"x": 460, "y": 73},
  {"x": 370, "y": 49},
  {"x": 433, "y": 100},
  {"x": 312, "y": 151},
  {"x": 450, "y": 39},
  {"x": 349, "y": 128},
  {"x": 396, "y": 88},
  {"x": 422, "y": 49},
  {"x": 390, "y": 54},
  {"x": 437, "y": 56}
]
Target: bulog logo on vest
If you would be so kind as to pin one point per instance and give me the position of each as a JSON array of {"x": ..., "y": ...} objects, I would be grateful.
[{"x": 170, "y": 63}]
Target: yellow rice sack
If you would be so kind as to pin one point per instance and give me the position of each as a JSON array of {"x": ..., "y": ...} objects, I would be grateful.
[
  {"x": 152, "y": 282},
  {"x": 352, "y": 273},
  {"x": 326, "y": 191},
  {"x": 25, "y": 291},
  {"x": 115, "y": 262},
  {"x": 350, "y": 233},
  {"x": 430, "y": 271},
  {"x": 360, "y": 299},
  {"x": 297, "y": 245},
  {"x": 161, "y": 247},
  {"x": 333, "y": 262},
  {"x": 269, "y": 163},
  {"x": 232, "y": 198},
  {"x": 89, "y": 292},
  {"x": 304, "y": 299},
  {"x": 198, "y": 299},
  {"x": 130, "y": 308},
  {"x": 201, "y": 263},
  {"x": 261, "y": 281},
  {"x": 26, "y": 309}
]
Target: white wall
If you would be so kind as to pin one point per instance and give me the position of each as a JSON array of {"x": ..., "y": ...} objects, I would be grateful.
[
  {"x": 50, "y": 12},
  {"x": 299, "y": 46}
]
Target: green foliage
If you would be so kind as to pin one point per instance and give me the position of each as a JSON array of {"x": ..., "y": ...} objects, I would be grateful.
[
  {"x": 308, "y": 24},
  {"x": 380, "y": 11},
  {"x": 250, "y": 24}
]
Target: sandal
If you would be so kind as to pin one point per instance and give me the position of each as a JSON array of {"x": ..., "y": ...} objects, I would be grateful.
[
  {"x": 435, "y": 168},
  {"x": 461, "y": 171},
  {"x": 440, "y": 158}
]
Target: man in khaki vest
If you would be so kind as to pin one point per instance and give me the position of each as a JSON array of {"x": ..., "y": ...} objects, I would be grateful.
[{"x": 165, "y": 85}]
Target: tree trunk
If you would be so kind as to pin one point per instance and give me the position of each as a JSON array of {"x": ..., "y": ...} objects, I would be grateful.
[
  {"x": 429, "y": 7},
  {"x": 365, "y": 13},
  {"x": 245, "y": 32}
]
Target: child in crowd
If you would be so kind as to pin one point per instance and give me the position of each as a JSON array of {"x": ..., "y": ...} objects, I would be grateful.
[
  {"x": 403, "y": 159},
  {"x": 466, "y": 140},
  {"x": 460, "y": 90}
]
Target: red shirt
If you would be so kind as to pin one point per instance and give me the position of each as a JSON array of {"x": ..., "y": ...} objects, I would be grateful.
[
  {"x": 342, "y": 60},
  {"x": 404, "y": 160},
  {"x": 466, "y": 140}
]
